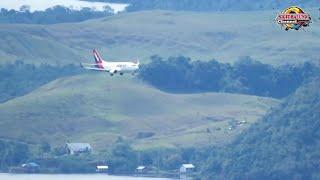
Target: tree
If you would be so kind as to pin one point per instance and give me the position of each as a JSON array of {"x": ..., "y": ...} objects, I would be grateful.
[
  {"x": 45, "y": 147},
  {"x": 122, "y": 158},
  {"x": 283, "y": 145},
  {"x": 13, "y": 153},
  {"x": 247, "y": 76}
]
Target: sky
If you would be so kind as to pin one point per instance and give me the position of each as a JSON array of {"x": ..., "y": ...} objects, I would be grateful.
[{"x": 44, "y": 4}]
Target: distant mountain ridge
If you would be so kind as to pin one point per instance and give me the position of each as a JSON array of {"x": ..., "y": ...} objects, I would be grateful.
[{"x": 213, "y": 5}]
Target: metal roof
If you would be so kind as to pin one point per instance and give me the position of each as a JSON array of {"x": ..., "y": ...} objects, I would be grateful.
[
  {"x": 141, "y": 167},
  {"x": 103, "y": 167},
  {"x": 188, "y": 166},
  {"x": 32, "y": 164}
]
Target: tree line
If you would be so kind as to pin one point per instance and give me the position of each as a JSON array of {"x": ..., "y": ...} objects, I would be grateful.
[
  {"x": 12, "y": 153},
  {"x": 56, "y": 14},
  {"x": 18, "y": 78},
  {"x": 175, "y": 74},
  {"x": 246, "y": 76},
  {"x": 210, "y": 5}
]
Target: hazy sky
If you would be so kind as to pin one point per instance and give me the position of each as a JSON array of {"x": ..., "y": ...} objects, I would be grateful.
[{"x": 44, "y": 4}]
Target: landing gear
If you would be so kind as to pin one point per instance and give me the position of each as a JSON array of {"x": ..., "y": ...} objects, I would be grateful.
[
  {"x": 112, "y": 73},
  {"x": 121, "y": 73}
]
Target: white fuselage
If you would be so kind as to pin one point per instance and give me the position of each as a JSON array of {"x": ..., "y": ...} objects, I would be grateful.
[
  {"x": 122, "y": 67},
  {"x": 111, "y": 67}
]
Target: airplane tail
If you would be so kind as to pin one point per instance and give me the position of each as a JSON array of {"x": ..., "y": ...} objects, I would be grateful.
[{"x": 97, "y": 57}]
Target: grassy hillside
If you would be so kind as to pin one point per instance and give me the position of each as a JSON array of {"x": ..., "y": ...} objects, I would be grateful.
[
  {"x": 97, "y": 109},
  {"x": 283, "y": 145},
  {"x": 209, "y": 5},
  {"x": 37, "y": 47},
  {"x": 221, "y": 35}
]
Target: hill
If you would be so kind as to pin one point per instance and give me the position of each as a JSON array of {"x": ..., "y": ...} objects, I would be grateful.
[
  {"x": 97, "y": 109},
  {"x": 168, "y": 33},
  {"x": 54, "y": 15},
  {"x": 283, "y": 145},
  {"x": 216, "y": 5}
]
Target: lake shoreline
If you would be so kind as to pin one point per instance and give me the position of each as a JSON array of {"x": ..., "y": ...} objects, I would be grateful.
[
  {"x": 148, "y": 175},
  {"x": 20, "y": 176}
]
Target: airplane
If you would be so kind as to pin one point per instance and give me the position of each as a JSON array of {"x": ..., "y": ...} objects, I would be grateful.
[{"x": 111, "y": 67}]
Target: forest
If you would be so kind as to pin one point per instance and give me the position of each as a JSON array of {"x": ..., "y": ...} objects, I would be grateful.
[
  {"x": 283, "y": 145},
  {"x": 57, "y": 14},
  {"x": 18, "y": 78},
  {"x": 246, "y": 76},
  {"x": 210, "y": 5},
  {"x": 12, "y": 153}
]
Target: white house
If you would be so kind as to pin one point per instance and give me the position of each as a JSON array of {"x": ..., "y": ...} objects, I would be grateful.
[
  {"x": 187, "y": 168},
  {"x": 141, "y": 169},
  {"x": 102, "y": 168}
]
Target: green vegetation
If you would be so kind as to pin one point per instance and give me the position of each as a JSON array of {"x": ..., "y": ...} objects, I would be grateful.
[
  {"x": 57, "y": 14},
  {"x": 167, "y": 33},
  {"x": 246, "y": 76},
  {"x": 94, "y": 108},
  {"x": 283, "y": 145},
  {"x": 67, "y": 164},
  {"x": 210, "y": 5},
  {"x": 18, "y": 79},
  {"x": 122, "y": 158},
  {"x": 12, "y": 153},
  {"x": 97, "y": 108},
  {"x": 129, "y": 122}
]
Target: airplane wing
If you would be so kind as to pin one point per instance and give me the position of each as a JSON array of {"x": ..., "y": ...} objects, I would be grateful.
[
  {"x": 96, "y": 69},
  {"x": 87, "y": 64}
]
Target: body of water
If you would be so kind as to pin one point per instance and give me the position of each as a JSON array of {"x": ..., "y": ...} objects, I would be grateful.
[
  {"x": 41, "y": 5},
  {"x": 5, "y": 176}
]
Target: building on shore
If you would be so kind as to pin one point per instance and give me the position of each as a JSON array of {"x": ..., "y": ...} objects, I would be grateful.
[
  {"x": 186, "y": 170},
  {"x": 26, "y": 168},
  {"x": 102, "y": 169},
  {"x": 141, "y": 170}
]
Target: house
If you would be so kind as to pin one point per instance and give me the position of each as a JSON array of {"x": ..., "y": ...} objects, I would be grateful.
[
  {"x": 187, "y": 168},
  {"x": 141, "y": 169},
  {"x": 102, "y": 169},
  {"x": 78, "y": 148},
  {"x": 30, "y": 168},
  {"x": 186, "y": 171}
]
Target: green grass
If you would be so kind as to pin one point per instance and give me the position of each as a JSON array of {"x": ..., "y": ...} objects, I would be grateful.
[
  {"x": 96, "y": 108},
  {"x": 222, "y": 35}
]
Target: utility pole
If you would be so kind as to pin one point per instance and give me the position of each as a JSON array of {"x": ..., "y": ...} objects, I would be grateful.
[
  {"x": 158, "y": 163},
  {"x": 139, "y": 158}
]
